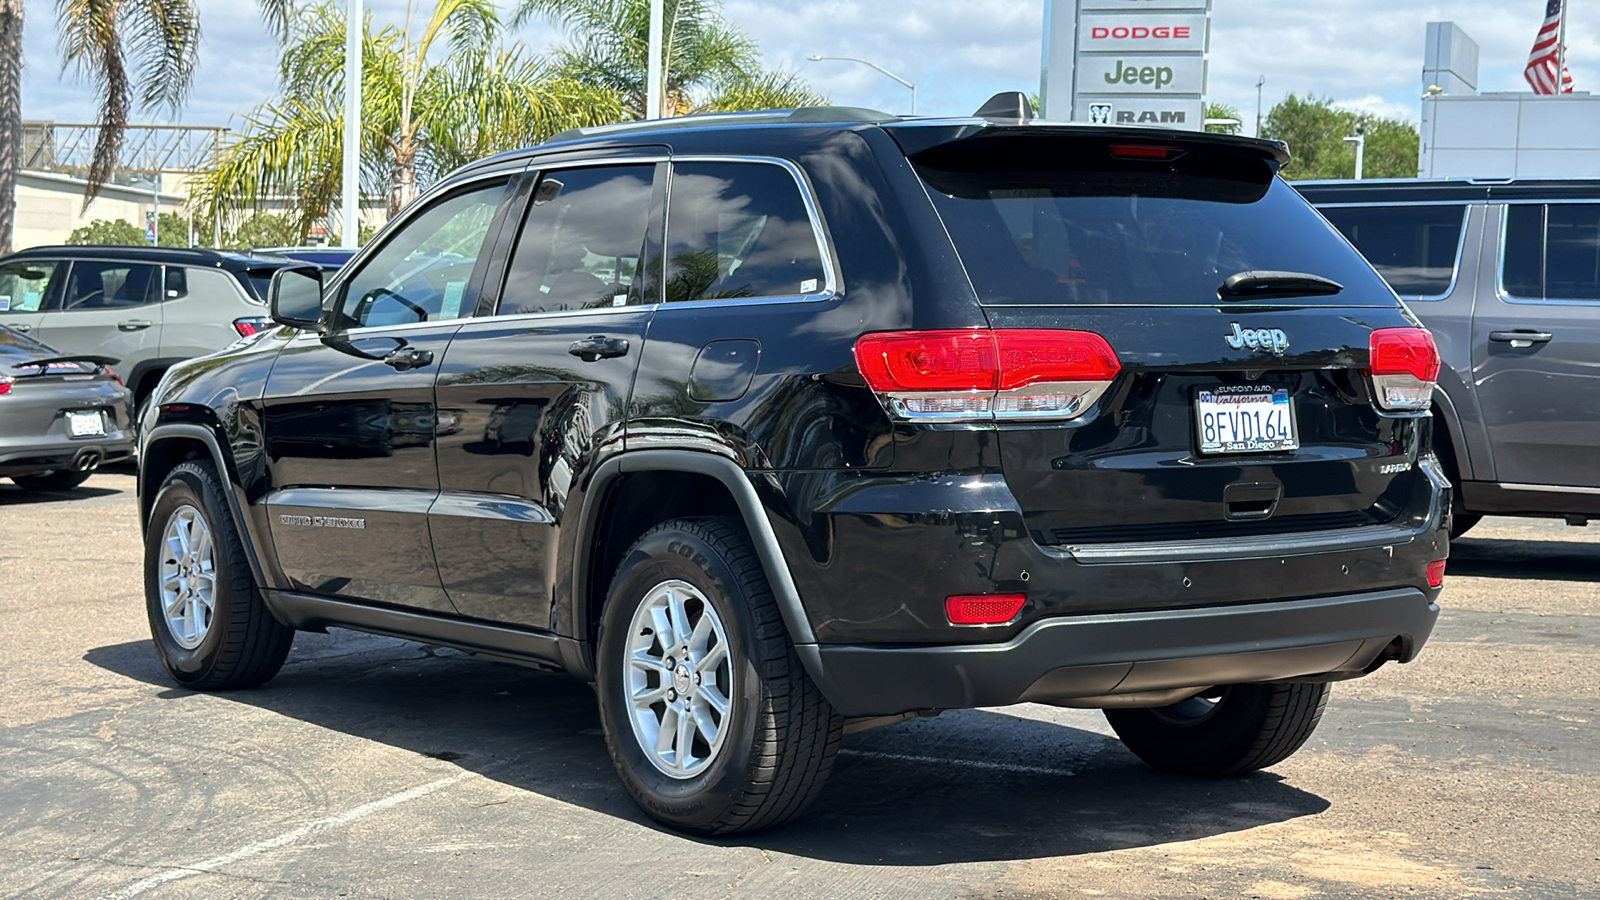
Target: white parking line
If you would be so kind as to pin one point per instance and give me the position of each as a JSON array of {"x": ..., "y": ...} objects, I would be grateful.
[
  {"x": 974, "y": 763},
  {"x": 288, "y": 837}
]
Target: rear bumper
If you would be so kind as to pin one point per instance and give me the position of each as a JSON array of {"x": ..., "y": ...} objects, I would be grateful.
[
  {"x": 1064, "y": 659},
  {"x": 41, "y": 457}
]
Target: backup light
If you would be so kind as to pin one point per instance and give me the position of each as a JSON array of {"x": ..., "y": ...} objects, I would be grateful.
[
  {"x": 1404, "y": 365},
  {"x": 978, "y": 374},
  {"x": 983, "y": 609}
]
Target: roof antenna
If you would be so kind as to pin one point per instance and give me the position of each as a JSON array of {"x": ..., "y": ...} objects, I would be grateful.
[{"x": 1006, "y": 105}]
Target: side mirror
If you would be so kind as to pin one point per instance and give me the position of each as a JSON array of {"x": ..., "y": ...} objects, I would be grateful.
[{"x": 295, "y": 298}]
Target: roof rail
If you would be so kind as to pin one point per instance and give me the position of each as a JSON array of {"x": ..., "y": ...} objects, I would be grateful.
[{"x": 803, "y": 114}]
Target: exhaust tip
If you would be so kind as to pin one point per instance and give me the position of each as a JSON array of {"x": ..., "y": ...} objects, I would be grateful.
[{"x": 86, "y": 461}]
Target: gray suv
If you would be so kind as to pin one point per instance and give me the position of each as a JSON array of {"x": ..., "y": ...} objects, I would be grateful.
[
  {"x": 147, "y": 307},
  {"x": 1506, "y": 275}
]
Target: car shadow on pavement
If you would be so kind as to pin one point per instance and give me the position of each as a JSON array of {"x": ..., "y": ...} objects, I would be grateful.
[
  {"x": 970, "y": 785},
  {"x": 15, "y": 496},
  {"x": 1538, "y": 560}
]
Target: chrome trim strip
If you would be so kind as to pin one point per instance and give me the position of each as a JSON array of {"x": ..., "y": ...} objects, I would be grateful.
[
  {"x": 1209, "y": 549},
  {"x": 1500, "y": 263},
  {"x": 499, "y": 507},
  {"x": 1551, "y": 488}
]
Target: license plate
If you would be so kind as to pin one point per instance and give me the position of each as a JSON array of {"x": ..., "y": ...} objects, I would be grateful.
[
  {"x": 1245, "y": 419},
  {"x": 85, "y": 424}
]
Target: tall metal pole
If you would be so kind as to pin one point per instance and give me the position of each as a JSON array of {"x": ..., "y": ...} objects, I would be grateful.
[
  {"x": 354, "y": 30},
  {"x": 1260, "y": 83},
  {"x": 1561, "y": 50},
  {"x": 652, "y": 80},
  {"x": 155, "y": 206}
]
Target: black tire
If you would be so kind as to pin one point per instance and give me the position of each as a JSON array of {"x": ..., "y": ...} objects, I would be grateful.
[
  {"x": 1226, "y": 731},
  {"x": 58, "y": 480},
  {"x": 244, "y": 645},
  {"x": 782, "y": 734}
]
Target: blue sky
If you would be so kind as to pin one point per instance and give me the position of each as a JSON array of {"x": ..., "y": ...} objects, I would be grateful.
[{"x": 1365, "y": 54}]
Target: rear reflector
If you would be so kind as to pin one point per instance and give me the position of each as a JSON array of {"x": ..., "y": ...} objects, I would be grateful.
[
  {"x": 983, "y": 609},
  {"x": 1404, "y": 364},
  {"x": 1436, "y": 573},
  {"x": 984, "y": 374}
]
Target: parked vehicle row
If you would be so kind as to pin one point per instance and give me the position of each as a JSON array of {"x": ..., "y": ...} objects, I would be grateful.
[
  {"x": 776, "y": 424},
  {"x": 1507, "y": 277},
  {"x": 147, "y": 307}
]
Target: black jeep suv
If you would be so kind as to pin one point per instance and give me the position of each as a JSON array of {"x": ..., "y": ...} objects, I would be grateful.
[{"x": 778, "y": 425}]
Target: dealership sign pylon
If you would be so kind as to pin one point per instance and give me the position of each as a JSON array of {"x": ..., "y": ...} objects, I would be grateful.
[{"x": 1126, "y": 62}]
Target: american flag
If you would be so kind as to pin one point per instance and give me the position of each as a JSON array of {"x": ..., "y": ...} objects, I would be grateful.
[{"x": 1546, "y": 54}]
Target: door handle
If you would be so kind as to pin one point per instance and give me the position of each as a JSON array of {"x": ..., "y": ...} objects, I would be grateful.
[
  {"x": 134, "y": 325},
  {"x": 22, "y": 328},
  {"x": 1521, "y": 339},
  {"x": 598, "y": 347},
  {"x": 405, "y": 358}
]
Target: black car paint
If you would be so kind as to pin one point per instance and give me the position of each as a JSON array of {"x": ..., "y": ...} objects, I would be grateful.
[{"x": 870, "y": 521}]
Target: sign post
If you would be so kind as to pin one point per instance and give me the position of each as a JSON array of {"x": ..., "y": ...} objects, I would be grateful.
[
  {"x": 1126, "y": 62},
  {"x": 150, "y": 227}
]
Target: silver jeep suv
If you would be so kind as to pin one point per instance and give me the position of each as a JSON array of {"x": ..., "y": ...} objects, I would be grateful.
[{"x": 147, "y": 307}]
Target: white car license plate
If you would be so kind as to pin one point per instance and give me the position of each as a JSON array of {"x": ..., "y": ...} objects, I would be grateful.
[
  {"x": 86, "y": 424},
  {"x": 1245, "y": 419}
]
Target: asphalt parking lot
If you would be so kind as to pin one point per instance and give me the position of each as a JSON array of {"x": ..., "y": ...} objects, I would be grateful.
[{"x": 374, "y": 767}]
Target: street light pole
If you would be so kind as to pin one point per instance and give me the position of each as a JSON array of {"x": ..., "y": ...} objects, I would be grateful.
[
  {"x": 1360, "y": 140},
  {"x": 1260, "y": 83},
  {"x": 881, "y": 69},
  {"x": 652, "y": 78},
  {"x": 354, "y": 30}
]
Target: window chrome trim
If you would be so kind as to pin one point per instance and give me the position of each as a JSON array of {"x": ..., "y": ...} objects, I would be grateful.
[
  {"x": 1550, "y": 488},
  {"x": 1500, "y": 291},
  {"x": 1461, "y": 241},
  {"x": 830, "y": 272},
  {"x": 830, "y": 287}
]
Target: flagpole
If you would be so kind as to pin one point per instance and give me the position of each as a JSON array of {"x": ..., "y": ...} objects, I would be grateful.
[{"x": 1561, "y": 50}]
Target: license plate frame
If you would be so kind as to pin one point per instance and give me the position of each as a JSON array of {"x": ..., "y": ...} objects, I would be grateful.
[
  {"x": 1245, "y": 418},
  {"x": 83, "y": 423}
]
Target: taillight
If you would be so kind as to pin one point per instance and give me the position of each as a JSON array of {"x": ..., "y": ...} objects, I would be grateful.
[
  {"x": 249, "y": 327},
  {"x": 983, "y": 609},
  {"x": 1006, "y": 374},
  {"x": 1404, "y": 366},
  {"x": 5, "y": 384},
  {"x": 107, "y": 372},
  {"x": 1436, "y": 573}
]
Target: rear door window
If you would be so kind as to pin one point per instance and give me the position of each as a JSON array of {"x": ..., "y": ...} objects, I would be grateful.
[
  {"x": 1415, "y": 248},
  {"x": 25, "y": 283},
  {"x": 1063, "y": 223},
  {"x": 739, "y": 230},
  {"x": 95, "y": 284},
  {"x": 581, "y": 241},
  {"x": 1552, "y": 251}
]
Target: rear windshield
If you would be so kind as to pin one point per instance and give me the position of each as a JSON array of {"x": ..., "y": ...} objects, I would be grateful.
[
  {"x": 1081, "y": 228},
  {"x": 1414, "y": 248}
]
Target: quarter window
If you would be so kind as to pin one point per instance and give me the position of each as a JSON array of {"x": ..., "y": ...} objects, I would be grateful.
[
  {"x": 581, "y": 241},
  {"x": 92, "y": 284},
  {"x": 24, "y": 284},
  {"x": 422, "y": 273},
  {"x": 739, "y": 230},
  {"x": 1414, "y": 248},
  {"x": 1552, "y": 251}
]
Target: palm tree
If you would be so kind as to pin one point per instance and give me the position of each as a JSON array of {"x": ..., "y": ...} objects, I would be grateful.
[
  {"x": 100, "y": 38},
  {"x": 423, "y": 113},
  {"x": 709, "y": 66}
]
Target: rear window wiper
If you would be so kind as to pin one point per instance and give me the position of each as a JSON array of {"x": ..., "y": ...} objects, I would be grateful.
[{"x": 1264, "y": 285}]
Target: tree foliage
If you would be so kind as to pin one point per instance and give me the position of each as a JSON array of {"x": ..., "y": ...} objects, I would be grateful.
[
  {"x": 1315, "y": 131},
  {"x": 107, "y": 231},
  {"x": 430, "y": 102},
  {"x": 709, "y": 64},
  {"x": 1222, "y": 111}
]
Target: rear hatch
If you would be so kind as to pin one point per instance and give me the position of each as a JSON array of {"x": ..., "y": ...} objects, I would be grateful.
[{"x": 1233, "y": 410}]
